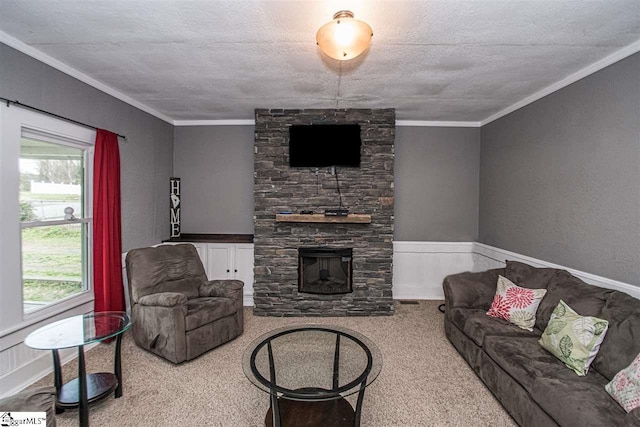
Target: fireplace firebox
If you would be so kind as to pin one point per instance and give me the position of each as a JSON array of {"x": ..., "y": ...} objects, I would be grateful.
[{"x": 325, "y": 270}]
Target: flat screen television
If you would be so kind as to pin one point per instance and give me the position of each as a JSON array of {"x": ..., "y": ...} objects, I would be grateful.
[{"x": 318, "y": 146}]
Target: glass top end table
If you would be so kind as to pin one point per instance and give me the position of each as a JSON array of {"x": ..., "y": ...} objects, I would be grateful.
[
  {"x": 78, "y": 331},
  {"x": 308, "y": 370}
]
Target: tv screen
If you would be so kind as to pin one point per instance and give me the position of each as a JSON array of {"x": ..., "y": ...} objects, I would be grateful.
[{"x": 324, "y": 145}]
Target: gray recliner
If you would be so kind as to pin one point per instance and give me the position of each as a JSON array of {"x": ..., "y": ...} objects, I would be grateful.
[{"x": 177, "y": 313}]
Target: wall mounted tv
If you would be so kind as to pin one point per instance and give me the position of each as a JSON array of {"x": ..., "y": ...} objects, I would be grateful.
[{"x": 318, "y": 146}]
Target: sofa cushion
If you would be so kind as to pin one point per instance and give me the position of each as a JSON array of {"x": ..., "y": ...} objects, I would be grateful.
[
  {"x": 572, "y": 338},
  {"x": 574, "y": 402},
  {"x": 516, "y": 304},
  {"x": 477, "y": 325},
  {"x": 622, "y": 342},
  {"x": 586, "y": 300},
  {"x": 633, "y": 418},
  {"x": 569, "y": 399},
  {"x": 206, "y": 310},
  {"x": 527, "y": 276},
  {"x": 527, "y": 362}
]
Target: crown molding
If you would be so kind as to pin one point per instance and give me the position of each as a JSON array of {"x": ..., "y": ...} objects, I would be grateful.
[
  {"x": 570, "y": 79},
  {"x": 242, "y": 122},
  {"x": 230, "y": 122},
  {"x": 60, "y": 66},
  {"x": 444, "y": 124}
]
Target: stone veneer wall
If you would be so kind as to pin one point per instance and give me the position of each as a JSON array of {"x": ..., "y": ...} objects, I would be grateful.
[{"x": 366, "y": 190}]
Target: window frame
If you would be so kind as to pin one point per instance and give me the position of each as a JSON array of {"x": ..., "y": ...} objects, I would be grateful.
[{"x": 14, "y": 322}]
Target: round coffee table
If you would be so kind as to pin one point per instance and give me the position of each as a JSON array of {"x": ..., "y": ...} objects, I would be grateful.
[
  {"x": 308, "y": 370},
  {"x": 78, "y": 331}
]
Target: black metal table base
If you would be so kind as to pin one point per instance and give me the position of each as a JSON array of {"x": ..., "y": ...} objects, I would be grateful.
[
  {"x": 86, "y": 389},
  {"x": 313, "y": 406},
  {"x": 334, "y": 413}
]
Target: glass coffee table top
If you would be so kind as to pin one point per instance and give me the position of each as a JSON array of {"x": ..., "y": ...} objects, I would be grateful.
[
  {"x": 79, "y": 330},
  {"x": 312, "y": 362}
]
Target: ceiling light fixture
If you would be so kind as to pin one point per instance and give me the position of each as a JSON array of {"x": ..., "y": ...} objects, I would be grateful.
[{"x": 345, "y": 37}]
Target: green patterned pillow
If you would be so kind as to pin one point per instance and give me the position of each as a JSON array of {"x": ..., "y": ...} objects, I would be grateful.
[{"x": 572, "y": 338}]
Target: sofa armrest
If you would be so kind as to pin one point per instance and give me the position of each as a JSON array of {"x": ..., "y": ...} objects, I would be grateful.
[
  {"x": 40, "y": 399},
  {"x": 633, "y": 418},
  {"x": 222, "y": 288},
  {"x": 471, "y": 290},
  {"x": 163, "y": 299}
]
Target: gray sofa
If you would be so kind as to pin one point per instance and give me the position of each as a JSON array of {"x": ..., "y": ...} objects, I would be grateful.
[
  {"x": 532, "y": 385},
  {"x": 177, "y": 313}
]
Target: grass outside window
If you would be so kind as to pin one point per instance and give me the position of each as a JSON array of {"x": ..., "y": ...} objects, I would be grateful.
[{"x": 52, "y": 267}]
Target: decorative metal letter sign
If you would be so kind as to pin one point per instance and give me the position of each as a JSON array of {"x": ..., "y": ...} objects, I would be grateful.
[{"x": 174, "y": 219}]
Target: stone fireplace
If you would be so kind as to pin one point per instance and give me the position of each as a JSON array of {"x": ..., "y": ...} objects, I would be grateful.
[{"x": 365, "y": 190}]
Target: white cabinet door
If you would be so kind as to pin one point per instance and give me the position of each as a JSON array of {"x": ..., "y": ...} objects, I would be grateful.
[
  {"x": 219, "y": 261},
  {"x": 243, "y": 268}
]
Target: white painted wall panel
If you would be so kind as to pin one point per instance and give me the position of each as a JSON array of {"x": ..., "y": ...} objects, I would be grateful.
[{"x": 420, "y": 267}]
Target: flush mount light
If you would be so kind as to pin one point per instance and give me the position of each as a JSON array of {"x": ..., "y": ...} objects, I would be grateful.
[{"x": 345, "y": 37}]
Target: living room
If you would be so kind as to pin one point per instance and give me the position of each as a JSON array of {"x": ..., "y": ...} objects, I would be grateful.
[{"x": 489, "y": 131}]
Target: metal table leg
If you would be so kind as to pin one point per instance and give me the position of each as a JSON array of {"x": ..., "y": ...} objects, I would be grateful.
[
  {"x": 117, "y": 370},
  {"x": 275, "y": 408},
  {"x": 82, "y": 381},
  {"x": 358, "y": 411},
  {"x": 57, "y": 377}
]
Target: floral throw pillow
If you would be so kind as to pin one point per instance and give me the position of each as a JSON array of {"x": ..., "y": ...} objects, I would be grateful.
[
  {"x": 625, "y": 386},
  {"x": 572, "y": 338},
  {"x": 515, "y": 304}
]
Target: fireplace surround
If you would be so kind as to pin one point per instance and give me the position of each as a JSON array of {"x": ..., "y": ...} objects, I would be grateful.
[{"x": 365, "y": 190}]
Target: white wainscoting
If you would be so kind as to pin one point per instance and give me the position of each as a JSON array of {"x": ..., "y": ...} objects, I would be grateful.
[{"x": 420, "y": 267}]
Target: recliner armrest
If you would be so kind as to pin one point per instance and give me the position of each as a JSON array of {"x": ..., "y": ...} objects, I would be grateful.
[
  {"x": 471, "y": 290},
  {"x": 163, "y": 299},
  {"x": 222, "y": 288}
]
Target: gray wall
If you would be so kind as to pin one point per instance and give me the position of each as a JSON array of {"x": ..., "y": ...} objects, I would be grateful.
[
  {"x": 215, "y": 164},
  {"x": 436, "y": 174},
  {"x": 437, "y": 183},
  {"x": 146, "y": 157},
  {"x": 560, "y": 178}
]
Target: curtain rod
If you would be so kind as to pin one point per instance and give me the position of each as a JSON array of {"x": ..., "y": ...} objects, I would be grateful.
[{"x": 20, "y": 104}]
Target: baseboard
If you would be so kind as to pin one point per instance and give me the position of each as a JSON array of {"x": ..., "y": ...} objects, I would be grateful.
[
  {"x": 420, "y": 267},
  {"x": 27, "y": 374}
]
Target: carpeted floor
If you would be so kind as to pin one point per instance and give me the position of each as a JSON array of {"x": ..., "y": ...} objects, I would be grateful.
[{"x": 424, "y": 381}]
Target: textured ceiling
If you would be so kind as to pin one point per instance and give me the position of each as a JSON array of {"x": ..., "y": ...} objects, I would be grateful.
[{"x": 431, "y": 60}]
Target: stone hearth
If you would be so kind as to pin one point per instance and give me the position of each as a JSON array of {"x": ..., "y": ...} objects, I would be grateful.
[{"x": 365, "y": 190}]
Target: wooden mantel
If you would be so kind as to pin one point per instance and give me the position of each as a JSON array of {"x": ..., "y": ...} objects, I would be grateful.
[{"x": 349, "y": 219}]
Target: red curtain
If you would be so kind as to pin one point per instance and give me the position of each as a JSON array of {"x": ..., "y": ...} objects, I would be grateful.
[{"x": 107, "y": 240}]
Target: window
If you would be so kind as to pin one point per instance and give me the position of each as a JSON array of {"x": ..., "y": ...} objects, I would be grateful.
[
  {"x": 55, "y": 227},
  {"x": 46, "y": 165}
]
